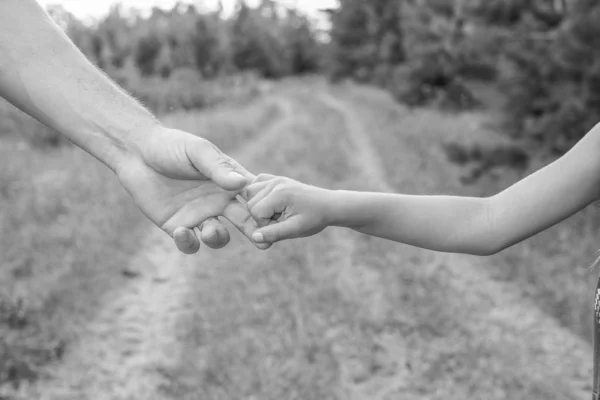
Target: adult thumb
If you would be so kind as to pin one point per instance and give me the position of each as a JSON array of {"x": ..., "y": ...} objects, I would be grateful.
[{"x": 217, "y": 166}]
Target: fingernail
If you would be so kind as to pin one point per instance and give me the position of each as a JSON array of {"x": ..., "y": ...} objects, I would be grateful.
[
  {"x": 258, "y": 237},
  {"x": 234, "y": 174}
]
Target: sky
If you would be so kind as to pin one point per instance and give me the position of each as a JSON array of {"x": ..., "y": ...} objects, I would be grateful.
[{"x": 84, "y": 9}]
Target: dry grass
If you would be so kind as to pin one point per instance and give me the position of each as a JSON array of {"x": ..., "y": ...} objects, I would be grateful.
[
  {"x": 63, "y": 215},
  {"x": 186, "y": 90},
  {"x": 551, "y": 268},
  {"x": 343, "y": 315},
  {"x": 331, "y": 317},
  {"x": 67, "y": 231}
]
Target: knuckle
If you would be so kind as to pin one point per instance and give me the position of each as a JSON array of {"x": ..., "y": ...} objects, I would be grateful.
[
  {"x": 264, "y": 177},
  {"x": 285, "y": 190},
  {"x": 224, "y": 162},
  {"x": 256, "y": 212}
]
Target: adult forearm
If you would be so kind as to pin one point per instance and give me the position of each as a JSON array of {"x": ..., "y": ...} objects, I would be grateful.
[
  {"x": 442, "y": 223},
  {"x": 43, "y": 73}
]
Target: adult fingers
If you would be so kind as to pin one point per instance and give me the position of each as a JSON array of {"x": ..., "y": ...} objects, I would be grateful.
[
  {"x": 240, "y": 217},
  {"x": 186, "y": 240},
  {"x": 214, "y": 234}
]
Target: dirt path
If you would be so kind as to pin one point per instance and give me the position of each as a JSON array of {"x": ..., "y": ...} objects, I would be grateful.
[
  {"x": 119, "y": 352},
  {"x": 136, "y": 336},
  {"x": 256, "y": 321},
  {"x": 547, "y": 348}
]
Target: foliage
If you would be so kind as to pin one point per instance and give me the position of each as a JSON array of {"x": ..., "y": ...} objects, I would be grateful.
[
  {"x": 184, "y": 58},
  {"x": 542, "y": 55},
  {"x": 147, "y": 51},
  {"x": 268, "y": 39},
  {"x": 552, "y": 86},
  {"x": 366, "y": 36}
]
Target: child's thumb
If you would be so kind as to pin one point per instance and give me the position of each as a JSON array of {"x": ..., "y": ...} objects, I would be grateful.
[{"x": 276, "y": 232}]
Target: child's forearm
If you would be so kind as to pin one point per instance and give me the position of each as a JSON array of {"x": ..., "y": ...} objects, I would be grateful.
[{"x": 442, "y": 223}]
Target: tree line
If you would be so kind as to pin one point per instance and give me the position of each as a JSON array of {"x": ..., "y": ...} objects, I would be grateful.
[
  {"x": 269, "y": 39},
  {"x": 541, "y": 55}
]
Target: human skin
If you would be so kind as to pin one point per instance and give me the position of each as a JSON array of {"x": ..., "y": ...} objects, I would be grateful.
[
  {"x": 479, "y": 226},
  {"x": 181, "y": 182}
]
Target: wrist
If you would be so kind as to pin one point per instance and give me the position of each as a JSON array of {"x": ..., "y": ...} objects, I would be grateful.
[
  {"x": 127, "y": 142},
  {"x": 344, "y": 209}
]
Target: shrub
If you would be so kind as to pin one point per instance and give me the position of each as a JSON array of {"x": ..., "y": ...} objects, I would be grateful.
[
  {"x": 432, "y": 79},
  {"x": 483, "y": 159},
  {"x": 552, "y": 90},
  {"x": 146, "y": 54}
]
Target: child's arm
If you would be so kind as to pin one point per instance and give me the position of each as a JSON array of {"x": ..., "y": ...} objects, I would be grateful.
[{"x": 479, "y": 226}]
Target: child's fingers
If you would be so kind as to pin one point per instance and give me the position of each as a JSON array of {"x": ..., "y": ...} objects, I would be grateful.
[
  {"x": 253, "y": 189},
  {"x": 266, "y": 208},
  {"x": 276, "y": 232},
  {"x": 261, "y": 195},
  {"x": 263, "y": 178},
  {"x": 239, "y": 216},
  {"x": 261, "y": 181}
]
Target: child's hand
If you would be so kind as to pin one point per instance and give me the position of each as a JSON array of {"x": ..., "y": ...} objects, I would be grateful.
[{"x": 287, "y": 209}]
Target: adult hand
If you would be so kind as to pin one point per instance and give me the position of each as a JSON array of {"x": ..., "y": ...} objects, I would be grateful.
[{"x": 182, "y": 183}]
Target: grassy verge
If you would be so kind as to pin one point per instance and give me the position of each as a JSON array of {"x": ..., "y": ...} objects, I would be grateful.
[
  {"x": 343, "y": 315},
  {"x": 553, "y": 267},
  {"x": 68, "y": 229}
]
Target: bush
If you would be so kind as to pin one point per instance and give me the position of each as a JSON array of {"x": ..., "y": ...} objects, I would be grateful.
[
  {"x": 552, "y": 90},
  {"x": 483, "y": 159},
  {"x": 432, "y": 79},
  {"x": 146, "y": 54}
]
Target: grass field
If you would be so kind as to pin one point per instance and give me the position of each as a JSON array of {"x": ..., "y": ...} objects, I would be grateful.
[{"x": 339, "y": 316}]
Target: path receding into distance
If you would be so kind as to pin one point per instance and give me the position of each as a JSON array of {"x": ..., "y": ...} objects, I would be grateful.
[
  {"x": 140, "y": 337},
  {"x": 135, "y": 334}
]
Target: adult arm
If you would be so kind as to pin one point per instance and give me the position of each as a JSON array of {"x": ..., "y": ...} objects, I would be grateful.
[{"x": 180, "y": 181}]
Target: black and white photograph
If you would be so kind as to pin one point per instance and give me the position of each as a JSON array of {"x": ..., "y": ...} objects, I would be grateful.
[{"x": 299, "y": 199}]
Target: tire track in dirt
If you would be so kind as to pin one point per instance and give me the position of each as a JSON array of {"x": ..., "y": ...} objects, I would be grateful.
[
  {"x": 119, "y": 352},
  {"x": 394, "y": 378},
  {"x": 548, "y": 349},
  {"x": 126, "y": 351}
]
